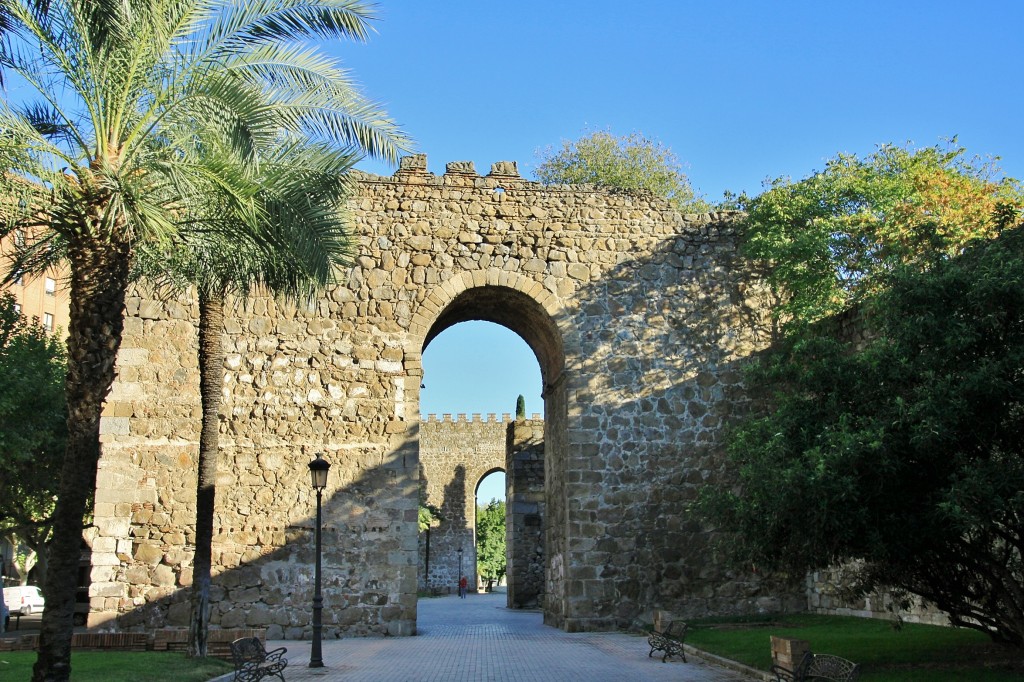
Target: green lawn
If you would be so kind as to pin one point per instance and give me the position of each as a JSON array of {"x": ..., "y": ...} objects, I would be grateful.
[
  {"x": 119, "y": 666},
  {"x": 914, "y": 653}
]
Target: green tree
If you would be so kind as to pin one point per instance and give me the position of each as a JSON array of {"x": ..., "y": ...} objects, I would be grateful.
[
  {"x": 490, "y": 541},
  {"x": 32, "y": 429},
  {"x": 632, "y": 162},
  {"x": 428, "y": 513},
  {"x": 832, "y": 237},
  {"x": 135, "y": 96},
  {"x": 904, "y": 452},
  {"x": 520, "y": 407}
]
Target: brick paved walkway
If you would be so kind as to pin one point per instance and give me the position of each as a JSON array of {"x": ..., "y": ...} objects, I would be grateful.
[{"x": 478, "y": 639}]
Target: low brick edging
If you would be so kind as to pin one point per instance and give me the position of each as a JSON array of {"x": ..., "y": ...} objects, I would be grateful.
[
  {"x": 165, "y": 639},
  {"x": 20, "y": 643},
  {"x": 218, "y": 642},
  {"x": 123, "y": 641}
]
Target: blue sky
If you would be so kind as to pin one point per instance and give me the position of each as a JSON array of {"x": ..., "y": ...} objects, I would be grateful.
[{"x": 740, "y": 90}]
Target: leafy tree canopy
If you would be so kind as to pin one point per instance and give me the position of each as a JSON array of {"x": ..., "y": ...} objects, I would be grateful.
[
  {"x": 490, "y": 540},
  {"x": 905, "y": 451},
  {"x": 520, "y": 407},
  {"x": 32, "y": 425},
  {"x": 832, "y": 237},
  {"x": 631, "y": 162},
  {"x": 428, "y": 513}
]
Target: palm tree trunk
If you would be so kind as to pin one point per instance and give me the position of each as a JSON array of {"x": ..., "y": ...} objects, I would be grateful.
[
  {"x": 99, "y": 277},
  {"x": 211, "y": 383}
]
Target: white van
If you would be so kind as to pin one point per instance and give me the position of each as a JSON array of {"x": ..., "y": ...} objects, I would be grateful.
[{"x": 24, "y": 600}]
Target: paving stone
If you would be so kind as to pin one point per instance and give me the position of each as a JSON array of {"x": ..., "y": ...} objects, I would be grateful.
[{"x": 476, "y": 639}]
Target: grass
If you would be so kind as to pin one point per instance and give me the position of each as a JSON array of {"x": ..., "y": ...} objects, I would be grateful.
[
  {"x": 119, "y": 666},
  {"x": 913, "y": 653}
]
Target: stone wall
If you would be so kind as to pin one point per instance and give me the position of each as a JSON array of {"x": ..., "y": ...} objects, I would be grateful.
[
  {"x": 640, "y": 318},
  {"x": 524, "y": 526},
  {"x": 281, "y": 369},
  {"x": 827, "y": 594}
]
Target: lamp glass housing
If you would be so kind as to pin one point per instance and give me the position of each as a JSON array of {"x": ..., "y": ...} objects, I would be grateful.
[{"x": 318, "y": 472}]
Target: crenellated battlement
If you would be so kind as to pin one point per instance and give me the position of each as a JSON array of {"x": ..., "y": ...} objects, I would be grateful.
[
  {"x": 417, "y": 165},
  {"x": 412, "y": 170},
  {"x": 461, "y": 417}
]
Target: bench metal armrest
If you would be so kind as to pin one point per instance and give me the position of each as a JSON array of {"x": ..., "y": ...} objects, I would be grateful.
[{"x": 782, "y": 674}]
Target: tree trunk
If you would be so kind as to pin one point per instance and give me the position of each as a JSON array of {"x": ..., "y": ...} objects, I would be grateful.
[
  {"x": 36, "y": 540},
  {"x": 99, "y": 276},
  {"x": 211, "y": 383}
]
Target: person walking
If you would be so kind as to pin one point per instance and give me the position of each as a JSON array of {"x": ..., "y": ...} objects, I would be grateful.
[{"x": 462, "y": 587}]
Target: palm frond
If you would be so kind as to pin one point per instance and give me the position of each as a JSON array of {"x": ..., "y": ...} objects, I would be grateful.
[
  {"x": 35, "y": 256},
  {"x": 313, "y": 94},
  {"x": 238, "y": 27}
]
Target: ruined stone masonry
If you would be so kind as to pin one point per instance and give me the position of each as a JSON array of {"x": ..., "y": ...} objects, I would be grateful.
[{"x": 641, "y": 319}]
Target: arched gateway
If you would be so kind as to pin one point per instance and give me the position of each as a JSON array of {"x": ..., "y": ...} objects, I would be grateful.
[{"x": 640, "y": 319}]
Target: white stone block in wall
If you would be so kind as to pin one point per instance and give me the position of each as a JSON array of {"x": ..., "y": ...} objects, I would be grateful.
[
  {"x": 114, "y": 426},
  {"x": 123, "y": 391},
  {"x": 388, "y": 366},
  {"x": 104, "y": 544},
  {"x": 127, "y": 357},
  {"x": 104, "y": 559},
  {"x": 110, "y": 528},
  {"x": 107, "y": 589}
]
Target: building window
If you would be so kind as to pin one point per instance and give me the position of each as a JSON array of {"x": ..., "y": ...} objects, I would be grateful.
[
  {"x": 19, "y": 238},
  {"x": 17, "y": 308},
  {"x": 19, "y": 279},
  {"x": 51, "y": 287},
  {"x": 48, "y": 322}
]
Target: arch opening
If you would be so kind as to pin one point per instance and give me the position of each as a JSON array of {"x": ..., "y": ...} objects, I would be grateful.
[
  {"x": 491, "y": 486},
  {"x": 526, "y": 445},
  {"x": 491, "y": 530},
  {"x": 513, "y": 310}
]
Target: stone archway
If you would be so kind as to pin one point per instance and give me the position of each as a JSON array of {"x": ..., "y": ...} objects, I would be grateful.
[
  {"x": 640, "y": 317},
  {"x": 515, "y": 302}
]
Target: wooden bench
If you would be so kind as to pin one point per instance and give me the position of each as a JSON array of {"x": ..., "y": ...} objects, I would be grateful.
[
  {"x": 669, "y": 640},
  {"x": 253, "y": 662},
  {"x": 818, "y": 667}
]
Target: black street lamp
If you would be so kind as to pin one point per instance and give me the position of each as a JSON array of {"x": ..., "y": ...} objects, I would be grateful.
[
  {"x": 318, "y": 472},
  {"x": 461, "y": 593}
]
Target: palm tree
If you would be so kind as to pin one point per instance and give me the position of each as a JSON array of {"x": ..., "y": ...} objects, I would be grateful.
[
  {"x": 133, "y": 95},
  {"x": 296, "y": 249}
]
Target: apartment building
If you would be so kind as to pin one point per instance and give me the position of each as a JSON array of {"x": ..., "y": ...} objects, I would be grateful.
[{"x": 44, "y": 296}]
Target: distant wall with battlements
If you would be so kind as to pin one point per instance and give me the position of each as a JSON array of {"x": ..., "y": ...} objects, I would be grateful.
[
  {"x": 473, "y": 417},
  {"x": 454, "y": 457}
]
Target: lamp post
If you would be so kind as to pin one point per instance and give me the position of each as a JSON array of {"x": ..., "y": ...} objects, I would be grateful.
[
  {"x": 318, "y": 473},
  {"x": 459, "y": 550}
]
